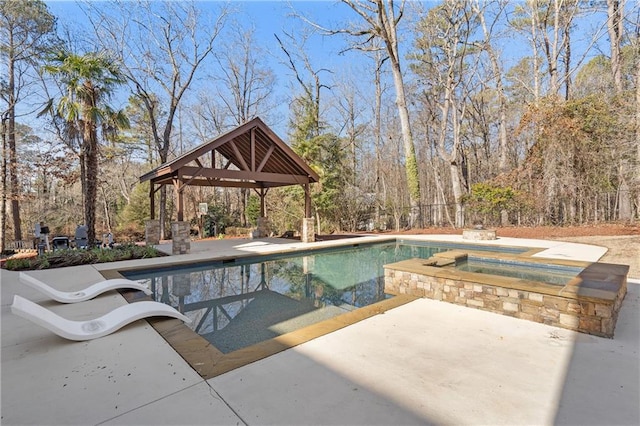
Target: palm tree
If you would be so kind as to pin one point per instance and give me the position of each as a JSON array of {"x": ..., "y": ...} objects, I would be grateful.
[{"x": 88, "y": 81}]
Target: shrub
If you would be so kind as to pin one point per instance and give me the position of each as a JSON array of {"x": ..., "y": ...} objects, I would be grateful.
[
  {"x": 62, "y": 258},
  {"x": 488, "y": 200}
]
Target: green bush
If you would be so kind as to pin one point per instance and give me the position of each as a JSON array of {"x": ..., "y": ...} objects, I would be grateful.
[
  {"x": 253, "y": 209},
  {"x": 487, "y": 200}
]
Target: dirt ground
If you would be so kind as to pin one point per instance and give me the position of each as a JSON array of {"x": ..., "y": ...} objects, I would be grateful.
[{"x": 622, "y": 240}]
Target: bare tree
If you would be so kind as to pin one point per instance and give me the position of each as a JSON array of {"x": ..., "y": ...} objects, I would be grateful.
[
  {"x": 448, "y": 64},
  {"x": 638, "y": 127},
  {"x": 26, "y": 28},
  {"x": 349, "y": 106},
  {"x": 380, "y": 19},
  {"x": 379, "y": 59},
  {"x": 247, "y": 82},
  {"x": 549, "y": 24},
  {"x": 308, "y": 78},
  {"x": 615, "y": 29},
  {"x": 247, "y": 85},
  {"x": 635, "y": 44},
  {"x": 162, "y": 46},
  {"x": 480, "y": 9}
]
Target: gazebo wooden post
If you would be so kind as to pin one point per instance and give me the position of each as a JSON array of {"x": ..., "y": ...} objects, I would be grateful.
[
  {"x": 152, "y": 226},
  {"x": 178, "y": 188},
  {"x": 152, "y": 201},
  {"x": 307, "y": 201},
  {"x": 263, "y": 222},
  {"x": 180, "y": 205}
]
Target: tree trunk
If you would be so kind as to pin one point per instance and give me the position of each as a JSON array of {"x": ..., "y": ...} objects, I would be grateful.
[
  {"x": 163, "y": 152},
  {"x": 456, "y": 187},
  {"x": 90, "y": 142},
  {"x": 638, "y": 130},
  {"x": 107, "y": 214},
  {"x": 551, "y": 50},
  {"x": 567, "y": 63},
  {"x": 536, "y": 60},
  {"x": 411, "y": 165},
  {"x": 162, "y": 212},
  {"x": 3, "y": 204},
  {"x": 614, "y": 28},
  {"x": 13, "y": 157},
  {"x": 502, "y": 98},
  {"x": 378, "y": 135},
  {"x": 91, "y": 160},
  {"x": 83, "y": 181}
]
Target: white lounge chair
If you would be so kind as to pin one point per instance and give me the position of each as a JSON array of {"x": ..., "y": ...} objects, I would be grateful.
[
  {"x": 82, "y": 295},
  {"x": 92, "y": 329}
]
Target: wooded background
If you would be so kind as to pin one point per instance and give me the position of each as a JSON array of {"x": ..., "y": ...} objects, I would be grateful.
[{"x": 465, "y": 111}]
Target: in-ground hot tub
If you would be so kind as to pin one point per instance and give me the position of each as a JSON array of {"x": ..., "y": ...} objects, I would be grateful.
[{"x": 580, "y": 296}]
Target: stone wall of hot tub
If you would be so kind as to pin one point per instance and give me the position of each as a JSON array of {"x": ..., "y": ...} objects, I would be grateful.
[{"x": 588, "y": 303}]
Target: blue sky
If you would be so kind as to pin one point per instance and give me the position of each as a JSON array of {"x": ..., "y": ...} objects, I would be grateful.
[
  {"x": 271, "y": 17},
  {"x": 268, "y": 18}
]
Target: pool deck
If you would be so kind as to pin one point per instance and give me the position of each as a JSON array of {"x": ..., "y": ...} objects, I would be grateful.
[{"x": 426, "y": 362}]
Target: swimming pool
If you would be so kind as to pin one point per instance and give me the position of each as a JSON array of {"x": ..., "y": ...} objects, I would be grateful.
[
  {"x": 245, "y": 308},
  {"x": 237, "y": 303}
]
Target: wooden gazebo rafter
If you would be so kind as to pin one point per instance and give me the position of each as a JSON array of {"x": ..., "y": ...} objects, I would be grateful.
[{"x": 253, "y": 156}]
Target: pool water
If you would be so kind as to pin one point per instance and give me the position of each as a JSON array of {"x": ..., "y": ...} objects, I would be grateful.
[
  {"x": 239, "y": 303},
  {"x": 546, "y": 273}
]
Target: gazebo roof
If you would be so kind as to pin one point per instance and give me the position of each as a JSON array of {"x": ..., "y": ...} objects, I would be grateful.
[{"x": 254, "y": 157}]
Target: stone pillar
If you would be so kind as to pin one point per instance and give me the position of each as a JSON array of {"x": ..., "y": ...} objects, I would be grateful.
[
  {"x": 152, "y": 232},
  {"x": 479, "y": 234},
  {"x": 263, "y": 227},
  {"x": 181, "y": 237},
  {"x": 308, "y": 230}
]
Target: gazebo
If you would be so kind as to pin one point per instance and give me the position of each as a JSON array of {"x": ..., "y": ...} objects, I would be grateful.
[{"x": 253, "y": 156}]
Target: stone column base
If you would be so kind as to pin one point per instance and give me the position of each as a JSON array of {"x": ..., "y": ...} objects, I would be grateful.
[
  {"x": 263, "y": 227},
  {"x": 152, "y": 232},
  {"x": 479, "y": 234},
  {"x": 308, "y": 234},
  {"x": 181, "y": 238}
]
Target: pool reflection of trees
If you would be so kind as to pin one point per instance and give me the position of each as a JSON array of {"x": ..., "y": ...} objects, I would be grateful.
[
  {"x": 345, "y": 279},
  {"x": 216, "y": 296}
]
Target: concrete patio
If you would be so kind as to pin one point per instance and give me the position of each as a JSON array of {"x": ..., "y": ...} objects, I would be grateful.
[{"x": 426, "y": 362}]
